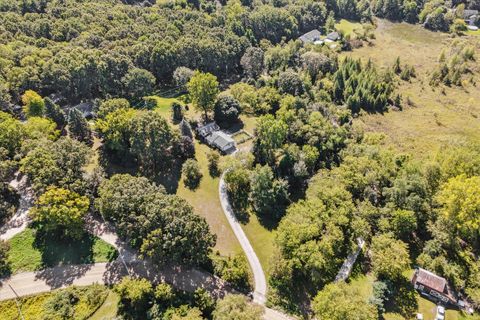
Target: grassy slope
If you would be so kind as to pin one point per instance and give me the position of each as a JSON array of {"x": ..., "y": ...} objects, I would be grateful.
[
  {"x": 24, "y": 256},
  {"x": 437, "y": 118},
  {"x": 108, "y": 310}
]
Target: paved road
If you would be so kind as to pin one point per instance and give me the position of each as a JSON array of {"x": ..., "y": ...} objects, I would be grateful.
[
  {"x": 127, "y": 263},
  {"x": 260, "y": 291}
]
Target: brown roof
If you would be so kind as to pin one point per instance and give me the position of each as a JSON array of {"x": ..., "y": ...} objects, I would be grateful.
[{"x": 430, "y": 280}]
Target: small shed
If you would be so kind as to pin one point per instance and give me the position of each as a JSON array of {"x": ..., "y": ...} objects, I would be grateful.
[
  {"x": 220, "y": 140},
  {"x": 311, "y": 36},
  {"x": 433, "y": 286}
]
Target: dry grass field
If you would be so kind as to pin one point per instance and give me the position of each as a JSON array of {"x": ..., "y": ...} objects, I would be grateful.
[{"x": 439, "y": 116}]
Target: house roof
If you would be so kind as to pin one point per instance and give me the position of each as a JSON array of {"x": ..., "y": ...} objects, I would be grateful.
[
  {"x": 311, "y": 36},
  {"x": 430, "y": 280},
  {"x": 468, "y": 13},
  {"x": 208, "y": 128},
  {"x": 333, "y": 36},
  {"x": 220, "y": 139}
]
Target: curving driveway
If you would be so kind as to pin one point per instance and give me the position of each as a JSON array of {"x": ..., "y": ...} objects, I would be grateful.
[{"x": 260, "y": 291}]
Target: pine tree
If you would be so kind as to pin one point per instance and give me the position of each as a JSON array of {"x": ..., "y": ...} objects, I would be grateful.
[
  {"x": 55, "y": 113},
  {"x": 78, "y": 127}
]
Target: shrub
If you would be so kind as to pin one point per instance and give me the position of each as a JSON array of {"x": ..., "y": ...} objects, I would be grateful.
[{"x": 191, "y": 174}]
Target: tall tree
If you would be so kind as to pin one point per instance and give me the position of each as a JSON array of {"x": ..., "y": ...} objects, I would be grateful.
[
  {"x": 151, "y": 141},
  {"x": 54, "y": 113},
  {"x": 389, "y": 257},
  {"x": 61, "y": 210},
  {"x": 78, "y": 127},
  {"x": 33, "y": 104},
  {"x": 203, "y": 90},
  {"x": 340, "y": 301}
]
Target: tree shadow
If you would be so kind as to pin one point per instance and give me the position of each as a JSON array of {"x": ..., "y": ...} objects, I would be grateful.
[
  {"x": 404, "y": 299},
  {"x": 170, "y": 178},
  {"x": 62, "y": 276},
  {"x": 56, "y": 250}
]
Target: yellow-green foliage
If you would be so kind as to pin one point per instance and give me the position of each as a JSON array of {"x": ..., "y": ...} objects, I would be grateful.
[{"x": 33, "y": 307}]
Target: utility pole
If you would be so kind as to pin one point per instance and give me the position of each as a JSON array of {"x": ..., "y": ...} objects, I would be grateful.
[{"x": 19, "y": 306}]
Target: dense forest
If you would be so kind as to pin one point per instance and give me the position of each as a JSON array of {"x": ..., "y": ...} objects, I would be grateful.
[{"x": 311, "y": 175}]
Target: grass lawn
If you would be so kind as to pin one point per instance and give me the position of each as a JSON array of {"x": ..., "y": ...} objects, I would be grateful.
[
  {"x": 33, "y": 306},
  {"x": 108, "y": 310},
  {"x": 163, "y": 105},
  {"x": 28, "y": 254},
  {"x": 206, "y": 202},
  {"x": 436, "y": 119},
  {"x": 261, "y": 240},
  {"x": 347, "y": 27}
]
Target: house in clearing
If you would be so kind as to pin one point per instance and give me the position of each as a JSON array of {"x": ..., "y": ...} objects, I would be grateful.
[
  {"x": 311, "y": 36},
  {"x": 333, "y": 36},
  {"x": 433, "y": 286},
  {"x": 216, "y": 138}
]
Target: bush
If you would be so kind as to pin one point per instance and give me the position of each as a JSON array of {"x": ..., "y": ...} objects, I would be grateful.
[
  {"x": 177, "y": 112},
  {"x": 213, "y": 157},
  {"x": 191, "y": 174},
  {"x": 234, "y": 270}
]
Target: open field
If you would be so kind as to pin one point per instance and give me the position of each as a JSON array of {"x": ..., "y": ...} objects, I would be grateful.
[
  {"x": 28, "y": 254},
  {"x": 435, "y": 119}
]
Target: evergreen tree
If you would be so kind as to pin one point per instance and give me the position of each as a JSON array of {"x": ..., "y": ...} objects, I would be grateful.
[
  {"x": 78, "y": 127},
  {"x": 55, "y": 113}
]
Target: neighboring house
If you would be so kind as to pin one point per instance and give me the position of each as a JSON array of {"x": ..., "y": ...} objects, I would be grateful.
[
  {"x": 207, "y": 129},
  {"x": 333, "y": 36},
  {"x": 433, "y": 286},
  {"x": 86, "y": 108},
  {"x": 221, "y": 141},
  {"x": 311, "y": 36},
  {"x": 470, "y": 16}
]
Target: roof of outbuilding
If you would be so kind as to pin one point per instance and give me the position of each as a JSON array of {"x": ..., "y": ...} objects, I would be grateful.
[
  {"x": 430, "y": 280},
  {"x": 467, "y": 13}
]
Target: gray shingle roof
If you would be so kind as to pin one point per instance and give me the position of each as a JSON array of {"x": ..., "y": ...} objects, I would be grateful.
[{"x": 311, "y": 36}]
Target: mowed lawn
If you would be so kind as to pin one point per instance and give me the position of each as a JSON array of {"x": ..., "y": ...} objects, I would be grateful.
[
  {"x": 347, "y": 27},
  {"x": 29, "y": 254},
  {"x": 436, "y": 118}
]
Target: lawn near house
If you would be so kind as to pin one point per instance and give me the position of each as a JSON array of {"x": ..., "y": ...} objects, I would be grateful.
[
  {"x": 347, "y": 27},
  {"x": 206, "y": 202},
  {"x": 26, "y": 254}
]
